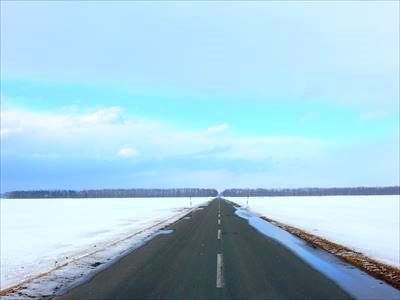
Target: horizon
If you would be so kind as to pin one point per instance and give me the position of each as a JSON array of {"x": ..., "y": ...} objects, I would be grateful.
[
  {"x": 212, "y": 188},
  {"x": 199, "y": 94}
]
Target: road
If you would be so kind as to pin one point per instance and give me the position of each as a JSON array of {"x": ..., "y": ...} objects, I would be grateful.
[{"x": 212, "y": 255}]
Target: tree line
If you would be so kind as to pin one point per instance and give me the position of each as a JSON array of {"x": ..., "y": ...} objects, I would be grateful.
[
  {"x": 197, "y": 192},
  {"x": 114, "y": 193},
  {"x": 387, "y": 190}
]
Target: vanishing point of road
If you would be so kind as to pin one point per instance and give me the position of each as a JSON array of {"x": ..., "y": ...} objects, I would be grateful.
[{"x": 213, "y": 254}]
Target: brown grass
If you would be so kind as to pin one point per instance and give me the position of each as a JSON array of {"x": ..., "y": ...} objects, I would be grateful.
[{"x": 389, "y": 274}]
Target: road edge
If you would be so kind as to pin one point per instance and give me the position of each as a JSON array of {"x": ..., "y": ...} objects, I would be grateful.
[{"x": 389, "y": 274}]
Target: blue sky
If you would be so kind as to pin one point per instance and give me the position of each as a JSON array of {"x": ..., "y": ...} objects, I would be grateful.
[{"x": 207, "y": 94}]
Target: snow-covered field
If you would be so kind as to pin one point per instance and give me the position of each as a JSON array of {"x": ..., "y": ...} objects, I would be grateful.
[
  {"x": 39, "y": 234},
  {"x": 368, "y": 224}
]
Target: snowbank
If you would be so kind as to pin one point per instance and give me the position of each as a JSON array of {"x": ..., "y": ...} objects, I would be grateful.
[
  {"x": 40, "y": 234},
  {"x": 367, "y": 224}
]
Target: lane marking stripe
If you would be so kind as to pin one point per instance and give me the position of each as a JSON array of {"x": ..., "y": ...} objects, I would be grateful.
[
  {"x": 219, "y": 222},
  {"x": 219, "y": 234},
  {"x": 220, "y": 275}
]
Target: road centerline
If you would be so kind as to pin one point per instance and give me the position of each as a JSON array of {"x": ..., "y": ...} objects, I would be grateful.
[{"x": 220, "y": 275}]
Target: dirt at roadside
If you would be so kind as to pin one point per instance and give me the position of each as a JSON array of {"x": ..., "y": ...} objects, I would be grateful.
[{"x": 379, "y": 270}]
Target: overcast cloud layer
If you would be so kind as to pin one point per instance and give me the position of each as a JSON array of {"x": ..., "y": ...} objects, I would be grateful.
[{"x": 173, "y": 94}]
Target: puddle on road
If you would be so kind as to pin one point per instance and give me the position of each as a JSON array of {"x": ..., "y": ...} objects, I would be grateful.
[
  {"x": 353, "y": 280},
  {"x": 166, "y": 231}
]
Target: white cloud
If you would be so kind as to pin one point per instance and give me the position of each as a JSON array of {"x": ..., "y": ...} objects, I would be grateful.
[
  {"x": 72, "y": 133},
  {"x": 10, "y": 124},
  {"x": 294, "y": 160},
  {"x": 284, "y": 149},
  {"x": 107, "y": 115},
  {"x": 98, "y": 136},
  {"x": 218, "y": 128},
  {"x": 373, "y": 115},
  {"x": 4, "y": 132},
  {"x": 127, "y": 152}
]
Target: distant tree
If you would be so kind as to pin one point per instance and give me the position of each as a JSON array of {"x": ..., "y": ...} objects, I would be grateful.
[
  {"x": 114, "y": 193},
  {"x": 388, "y": 190}
]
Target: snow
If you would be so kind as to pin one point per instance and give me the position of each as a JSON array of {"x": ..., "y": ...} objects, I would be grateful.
[
  {"x": 367, "y": 224},
  {"x": 38, "y": 235},
  {"x": 359, "y": 284}
]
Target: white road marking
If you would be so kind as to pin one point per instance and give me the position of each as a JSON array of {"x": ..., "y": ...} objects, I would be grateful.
[
  {"x": 219, "y": 234},
  {"x": 220, "y": 275},
  {"x": 219, "y": 222}
]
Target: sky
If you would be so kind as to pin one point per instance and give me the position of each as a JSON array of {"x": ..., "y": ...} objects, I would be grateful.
[{"x": 199, "y": 94}]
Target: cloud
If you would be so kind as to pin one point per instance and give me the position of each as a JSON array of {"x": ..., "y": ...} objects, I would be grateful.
[
  {"x": 107, "y": 115},
  {"x": 64, "y": 125},
  {"x": 9, "y": 125},
  {"x": 98, "y": 135},
  {"x": 63, "y": 140},
  {"x": 373, "y": 115},
  {"x": 353, "y": 64},
  {"x": 73, "y": 134},
  {"x": 4, "y": 132},
  {"x": 280, "y": 149},
  {"x": 218, "y": 128},
  {"x": 127, "y": 152}
]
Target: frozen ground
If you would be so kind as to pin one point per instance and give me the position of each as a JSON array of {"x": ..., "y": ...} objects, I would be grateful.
[
  {"x": 367, "y": 224},
  {"x": 40, "y": 234}
]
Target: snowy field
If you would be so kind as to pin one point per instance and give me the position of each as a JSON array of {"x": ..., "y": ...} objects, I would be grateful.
[
  {"x": 368, "y": 224},
  {"x": 39, "y": 234}
]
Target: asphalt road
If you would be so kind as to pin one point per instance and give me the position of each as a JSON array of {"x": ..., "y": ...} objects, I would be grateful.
[{"x": 199, "y": 262}]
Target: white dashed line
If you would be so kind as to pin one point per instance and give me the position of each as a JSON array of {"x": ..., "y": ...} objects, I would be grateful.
[
  {"x": 219, "y": 222},
  {"x": 220, "y": 275},
  {"x": 219, "y": 234}
]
